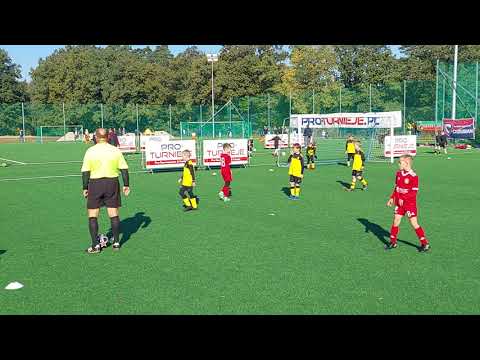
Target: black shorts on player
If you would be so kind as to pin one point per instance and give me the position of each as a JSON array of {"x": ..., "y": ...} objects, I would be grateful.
[
  {"x": 357, "y": 173},
  {"x": 295, "y": 179},
  {"x": 104, "y": 192},
  {"x": 350, "y": 157}
]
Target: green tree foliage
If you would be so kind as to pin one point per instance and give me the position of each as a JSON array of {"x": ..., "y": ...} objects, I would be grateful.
[{"x": 11, "y": 88}]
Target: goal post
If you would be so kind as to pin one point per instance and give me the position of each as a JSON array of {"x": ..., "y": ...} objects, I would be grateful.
[
  {"x": 330, "y": 132},
  {"x": 68, "y": 133}
]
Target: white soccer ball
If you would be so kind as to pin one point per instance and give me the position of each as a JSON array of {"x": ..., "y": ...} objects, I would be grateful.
[
  {"x": 214, "y": 173},
  {"x": 103, "y": 240},
  {"x": 283, "y": 153}
]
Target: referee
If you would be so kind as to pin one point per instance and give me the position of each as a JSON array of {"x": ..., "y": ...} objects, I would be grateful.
[{"x": 101, "y": 167}]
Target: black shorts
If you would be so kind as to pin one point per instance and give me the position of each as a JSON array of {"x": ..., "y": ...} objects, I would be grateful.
[
  {"x": 104, "y": 192},
  {"x": 442, "y": 145},
  {"x": 350, "y": 156},
  {"x": 310, "y": 159},
  {"x": 357, "y": 173},
  {"x": 295, "y": 179},
  {"x": 184, "y": 190}
]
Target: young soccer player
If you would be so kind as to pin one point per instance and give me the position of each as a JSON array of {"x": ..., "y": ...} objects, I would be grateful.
[
  {"x": 311, "y": 155},
  {"x": 276, "y": 145},
  {"x": 250, "y": 147},
  {"x": 190, "y": 201},
  {"x": 357, "y": 168},
  {"x": 404, "y": 197},
  {"x": 295, "y": 171},
  {"x": 350, "y": 149},
  {"x": 226, "y": 160}
]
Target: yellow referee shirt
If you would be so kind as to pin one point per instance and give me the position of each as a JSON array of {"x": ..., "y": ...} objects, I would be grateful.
[{"x": 103, "y": 161}]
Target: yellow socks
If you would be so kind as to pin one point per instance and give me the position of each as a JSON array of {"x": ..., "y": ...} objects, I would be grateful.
[
  {"x": 194, "y": 202},
  {"x": 186, "y": 201}
]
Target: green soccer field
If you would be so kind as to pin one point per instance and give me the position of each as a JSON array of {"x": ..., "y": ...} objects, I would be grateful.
[{"x": 259, "y": 254}]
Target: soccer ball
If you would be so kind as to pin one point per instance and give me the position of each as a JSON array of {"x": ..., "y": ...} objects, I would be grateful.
[
  {"x": 103, "y": 240},
  {"x": 4, "y": 164},
  {"x": 283, "y": 153}
]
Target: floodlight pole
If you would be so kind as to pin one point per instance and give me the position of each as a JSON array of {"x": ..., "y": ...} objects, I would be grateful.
[
  {"x": 170, "y": 117},
  {"x": 313, "y": 101},
  {"x": 64, "y": 121},
  {"x": 340, "y": 98},
  {"x": 23, "y": 122},
  {"x": 454, "y": 99},
  {"x": 136, "y": 108},
  {"x": 476, "y": 95},
  {"x": 436, "y": 97},
  {"x": 101, "y": 112},
  {"x": 404, "y": 103},
  {"x": 213, "y": 58},
  {"x": 370, "y": 96}
]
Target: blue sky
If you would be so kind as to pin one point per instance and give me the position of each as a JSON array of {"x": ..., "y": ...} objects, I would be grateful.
[{"x": 27, "y": 56}]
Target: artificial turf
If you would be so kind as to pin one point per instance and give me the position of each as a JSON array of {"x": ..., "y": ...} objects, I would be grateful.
[{"x": 259, "y": 254}]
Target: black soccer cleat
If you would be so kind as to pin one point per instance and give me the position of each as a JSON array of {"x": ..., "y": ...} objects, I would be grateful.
[
  {"x": 391, "y": 246},
  {"x": 188, "y": 208},
  {"x": 116, "y": 246},
  {"x": 424, "y": 248}
]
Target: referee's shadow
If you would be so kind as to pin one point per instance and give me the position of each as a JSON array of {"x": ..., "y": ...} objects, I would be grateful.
[
  {"x": 381, "y": 234},
  {"x": 130, "y": 226}
]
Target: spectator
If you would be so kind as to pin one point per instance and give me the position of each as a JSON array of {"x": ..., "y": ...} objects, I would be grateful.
[
  {"x": 112, "y": 137},
  {"x": 22, "y": 136},
  {"x": 307, "y": 135}
]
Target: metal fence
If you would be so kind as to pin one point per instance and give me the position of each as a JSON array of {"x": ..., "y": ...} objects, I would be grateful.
[{"x": 416, "y": 100}]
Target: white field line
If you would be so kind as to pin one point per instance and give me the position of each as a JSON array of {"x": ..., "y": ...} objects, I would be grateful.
[
  {"x": 17, "y": 162},
  {"x": 57, "y": 176}
]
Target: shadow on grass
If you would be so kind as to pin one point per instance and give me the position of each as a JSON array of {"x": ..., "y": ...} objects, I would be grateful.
[
  {"x": 342, "y": 164},
  {"x": 131, "y": 225},
  {"x": 381, "y": 234},
  {"x": 286, "y": 191},
  {"x": 344, "y": 184},
  {"x": 2, "y": 252}
]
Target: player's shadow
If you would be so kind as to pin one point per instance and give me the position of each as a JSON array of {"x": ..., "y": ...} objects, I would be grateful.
[
  {"x": 382, "y": 234},
  {"x": 131, "y": 225},
  {"x": 342, "y": 164},
  {"x": 344, "y": 184},
  {"x": 2, "y": 252},
  {"x": 286, "y": 191}
]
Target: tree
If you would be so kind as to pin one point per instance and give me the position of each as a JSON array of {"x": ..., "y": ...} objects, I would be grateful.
[
  {"x": 11, "y": 88},
  {"x": 367, "y": 64}
]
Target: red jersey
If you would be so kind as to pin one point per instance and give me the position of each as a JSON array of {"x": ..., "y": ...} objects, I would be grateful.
[
  {"x": 406, "y": 187},
  {"x": 226, "y": 160}
]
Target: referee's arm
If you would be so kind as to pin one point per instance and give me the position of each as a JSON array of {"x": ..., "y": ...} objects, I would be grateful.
[
  {"x": 123, "y": 167},
  {"x": 86, "y": 174}
]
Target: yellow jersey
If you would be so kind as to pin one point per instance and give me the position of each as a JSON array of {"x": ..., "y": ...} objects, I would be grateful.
[
  {"x": 103, "y": 161},
  {"x": 358, "y": 161},
  {"x": 188, "y": 176},
  {"x": 311, "y": 150},
  {"x": 350, "y": 147},
  {"x": 296, "y": 165}
]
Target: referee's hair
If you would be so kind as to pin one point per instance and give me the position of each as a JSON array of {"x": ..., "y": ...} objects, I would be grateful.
[
  {"x": 101, "y": 133},
  {"x": 407, "y": 157}
]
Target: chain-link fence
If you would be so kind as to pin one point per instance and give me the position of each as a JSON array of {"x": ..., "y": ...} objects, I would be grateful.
[{"x": 416, "y": 100}]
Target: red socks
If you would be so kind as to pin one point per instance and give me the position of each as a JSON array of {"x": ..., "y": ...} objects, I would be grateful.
[
  {"x": 421, "y": 236},
  {"x": 393, "y": 234},
  {"x": 226, "y": 191}
]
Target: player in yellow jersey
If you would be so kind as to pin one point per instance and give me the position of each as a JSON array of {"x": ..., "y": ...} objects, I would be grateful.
[
  {"x": 295, "y": 171},
  {"x": 187, "y": 181},
  {"x": 350, "y": 149},
  {"x": 357, "y": 168},
  {"x": 311, "y": 155}
]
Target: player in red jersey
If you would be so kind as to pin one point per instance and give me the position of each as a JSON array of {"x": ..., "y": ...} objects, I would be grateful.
[
  {"x": 226, "y": 160},
  {"x": 404, "y": 197}
]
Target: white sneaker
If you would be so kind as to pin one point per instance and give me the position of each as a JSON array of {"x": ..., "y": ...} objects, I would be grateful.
[
  {"x": 221, "y": 195},
  {"x": 226, "y": 199}
]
